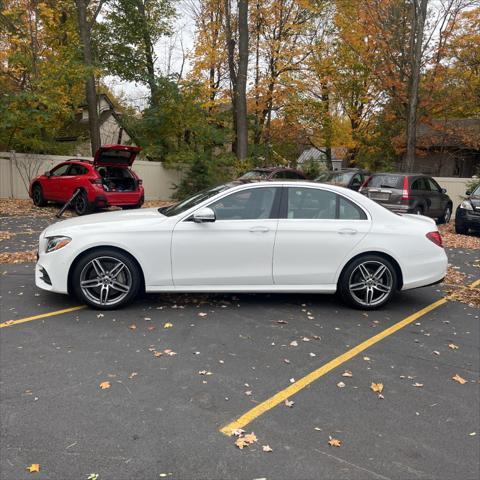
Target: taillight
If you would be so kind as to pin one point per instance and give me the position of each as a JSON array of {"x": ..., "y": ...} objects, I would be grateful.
[
  {"x": 405, "y": 192},
  {"x": 140, "y": 182},
  {"x": 96, "y": 181},
  {"x": 436, "y": 238}
]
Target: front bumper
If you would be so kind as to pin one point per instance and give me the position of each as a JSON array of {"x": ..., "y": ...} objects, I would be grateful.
[{"x": 468, "y": 218}]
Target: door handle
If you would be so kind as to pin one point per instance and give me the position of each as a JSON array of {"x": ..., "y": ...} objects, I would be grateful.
[
  {"x": 347, "y": 231},
  {"x": 259, "y": 229}
]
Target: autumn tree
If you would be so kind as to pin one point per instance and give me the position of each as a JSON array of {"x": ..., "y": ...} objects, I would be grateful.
[
  {"x": 126, "y": 39},
  {"x": 42, "y": 77}
]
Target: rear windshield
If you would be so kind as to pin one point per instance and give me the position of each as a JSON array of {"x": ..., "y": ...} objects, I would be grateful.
[
  {"x": 255, "y": 174},
  {"x": 386, "y": 181},
  {"x": 339, "y": 178}
]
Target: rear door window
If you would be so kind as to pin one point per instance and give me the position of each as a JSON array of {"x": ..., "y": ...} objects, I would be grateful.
[{"x": 420, "y": 184}]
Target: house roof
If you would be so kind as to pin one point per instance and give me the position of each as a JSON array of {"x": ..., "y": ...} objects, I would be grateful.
[
  {"x": 318, "y": 154},
  {"x": 462, "y": 133},
  {"x": 78, "y": 127}
]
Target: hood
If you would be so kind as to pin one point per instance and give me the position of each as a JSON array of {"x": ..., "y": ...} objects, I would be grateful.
[
  {"x": 118, "y": 220},
  {"x": 115, "y": 156}
]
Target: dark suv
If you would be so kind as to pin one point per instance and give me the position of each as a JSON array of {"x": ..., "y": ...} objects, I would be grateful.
[
  {"x": 468, "y": 212},
  {"x": 272, "y": 173},
  {"x": 409, "y": 193}
]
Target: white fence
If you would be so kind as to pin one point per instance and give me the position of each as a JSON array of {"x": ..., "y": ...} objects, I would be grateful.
[{"x": 17, "y": 169}]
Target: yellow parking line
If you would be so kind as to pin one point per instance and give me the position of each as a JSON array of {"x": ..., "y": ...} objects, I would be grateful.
[
  {"x": 10, "y": 323},
  {"x": 294, "y": 388}
]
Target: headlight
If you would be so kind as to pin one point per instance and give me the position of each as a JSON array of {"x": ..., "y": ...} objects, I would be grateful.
[
  {"x": 56, "y": 243},
  {"x": 466, "y": 205}
]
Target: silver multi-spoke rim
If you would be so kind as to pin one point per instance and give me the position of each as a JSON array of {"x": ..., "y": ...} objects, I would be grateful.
[
  {"x": 370, "y": 283},
  {"x": 105, "y": 280}
]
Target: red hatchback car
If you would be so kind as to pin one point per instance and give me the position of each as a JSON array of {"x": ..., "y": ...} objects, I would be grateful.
[{"x": 107, "y": 181}]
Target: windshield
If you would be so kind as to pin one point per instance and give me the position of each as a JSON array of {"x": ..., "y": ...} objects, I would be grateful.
[
  {"x": 476, "y": 191},
  {"x": 190, "y": 202},
  {"x": 340, "y": 178},
  {"x": 255, "y": 174}
]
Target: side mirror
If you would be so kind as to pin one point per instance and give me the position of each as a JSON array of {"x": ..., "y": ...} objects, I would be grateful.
[
  {"x": 444, "y": 190},
  {"x": 468, "y": 192},
  {"x": 204, "y": 215},
  {"x": 47, "y": 173}
]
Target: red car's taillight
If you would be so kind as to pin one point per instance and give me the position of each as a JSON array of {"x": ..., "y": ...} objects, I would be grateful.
[
  {"x": 96, "y": 181},
  {"x": 140, "y": 182},
  {"x": 405, "y": 192},
  {"x": 436, "y": 238},
  {"x": 365, "y": 183}
]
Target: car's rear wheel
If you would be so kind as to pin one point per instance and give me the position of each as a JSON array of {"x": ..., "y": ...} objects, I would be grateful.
[
  {"x": 447, "y": 214},
  {"x": 106, "y": 279},
  {"x": 37, "y": 196},
  {"x": 368, "y": 282},
  {"x": 81, "y": 205}
]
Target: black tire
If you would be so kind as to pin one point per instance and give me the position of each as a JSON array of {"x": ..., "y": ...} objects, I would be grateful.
[
  {"x": 109, "y": 259},
  {"x": 81, "y": 205},
  {"x": 461, "y": 228},
  {"x": 418, "y": 211},
  {"x": 447, "y": 215},
  {"x": 37, "y": 196},
  {"x": 383, "y": 288}
]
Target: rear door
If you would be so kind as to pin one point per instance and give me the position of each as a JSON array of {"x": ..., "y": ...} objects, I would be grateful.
[
  {"x": 420, "y": 190},
  {"x": 318, "y": 230}
]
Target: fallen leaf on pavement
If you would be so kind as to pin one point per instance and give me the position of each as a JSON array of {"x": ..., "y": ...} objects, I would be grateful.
[
  {"x": 282, "y": 322},
  {"x": 367, "y": 359},
  {"x": 267, "y": 448},
  {"x": 241, "y": 443},
  {"x": 169, "y": 352},
  {"x": 347, "y": 373},
  {"x": 286, "y": 360},
  {"x": 105, "y": 385},
  {"x": 237, "y": 432},
  {"x": 34, "y": 467},
  {"x": 377, "y": 387},
  {"x": 459, "y": 379},
  {"x": 202, "y": 314},
  {"x": 248, "y": 393},
  {"x": 93, "y": 476},
  {"x": 133, "y": 374},
  {"x": 340, "y": 385},
  {"x": 334, "y": 442},
  {"x": 250, "y": 438},
  {"x": 453, "y": 346},
  {"x": 417, "y": 384},
  {"x": 204, "y": 372},
  {"x": 289, "y": 403},
  {"x": 168, "y": 325},
  {"x": 132, "y": 327},
  {"x": 294, "y": 343},
  {"x": 157, "y": 354}
]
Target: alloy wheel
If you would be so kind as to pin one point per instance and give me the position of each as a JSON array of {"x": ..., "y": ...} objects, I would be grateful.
[
  {"x": 105, "y": 281},
  {"x": 370, "y": 283}
]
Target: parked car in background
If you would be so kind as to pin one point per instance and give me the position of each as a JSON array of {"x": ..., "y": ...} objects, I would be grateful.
[
  {"x": 244, "y": 237},
  {"x": 106, "y": 181},
  {"x": 352, "y": 178},
  {"x": 409, "y": 193},
  {"x": 468, "y": 212},
  {"x": 272, "y": 173}
]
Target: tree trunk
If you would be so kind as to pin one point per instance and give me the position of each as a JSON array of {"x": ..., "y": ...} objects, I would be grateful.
[
  {"x": 149, "y": 55},
  {"x": 241, "y": 90},
  {"x": 90, "y": 89},
  {"x": 419, "y": 14},
  {"x": 231, "y": 67},
  {"x": 327, "y": 125}
]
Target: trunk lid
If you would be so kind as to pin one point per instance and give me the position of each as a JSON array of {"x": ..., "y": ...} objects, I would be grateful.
[{"x": 115, "y": 156}]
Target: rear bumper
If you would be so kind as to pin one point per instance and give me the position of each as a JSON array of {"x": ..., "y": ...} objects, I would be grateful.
[
  {"x": 101, "y": 199},
  {"x": 423, "y": 271}
]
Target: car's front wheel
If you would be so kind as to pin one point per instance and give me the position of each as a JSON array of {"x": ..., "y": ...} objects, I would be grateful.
[
  {"x": 368, "y": 282},
  {"x": 447, "y": 214},
  {"x": 106, "y": 279},
  {"x": 37, "y": 196}
]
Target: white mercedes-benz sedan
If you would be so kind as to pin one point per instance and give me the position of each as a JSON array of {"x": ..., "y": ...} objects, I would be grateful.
[{"x": 244, "y": 237}]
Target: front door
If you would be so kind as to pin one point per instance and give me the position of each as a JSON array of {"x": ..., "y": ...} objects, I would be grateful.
[
  {"x": 54, "y": 186},
  {"x": 235, "y": 249},
  {"x": 320, "y": 230}
]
